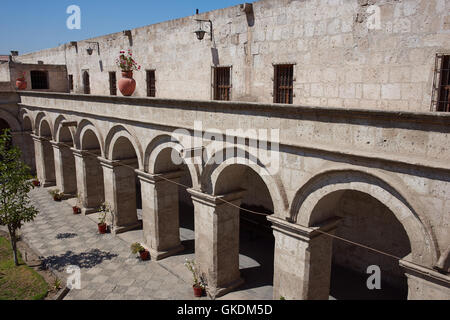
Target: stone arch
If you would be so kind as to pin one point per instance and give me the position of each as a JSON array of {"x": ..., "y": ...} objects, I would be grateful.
[
  {"x": 161, "y": 144},
  {"x": 25, "y": 114},
  {"x": 28, "y": 150},
  {"x": 175, "y": 222},
  {"x": 120, "y": 131},
  {"x": 45, "y": 128},
  {"x": 213, "y": 170},
  {"x": 40, "y": 118},
  {"x": 45, "y": 160},
  {"x": 63, "y": 134},
  {"x": 11, "y": 120},
  {"x": 27, "y": 118},
  {"x": 83, "y": 129},
  {"x": 333, "y": 181}
]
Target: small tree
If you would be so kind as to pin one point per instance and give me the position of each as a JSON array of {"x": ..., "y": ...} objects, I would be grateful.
[{"x": 15, "y": 206}]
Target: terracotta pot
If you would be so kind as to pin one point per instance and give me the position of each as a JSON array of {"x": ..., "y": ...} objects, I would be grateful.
[
  {"x": 76, "y": 210},
  {"x": 36, "y": 183},
  {"x": 57, "y": 198},
  {"x": 102, "y": 228},
  {"x": 127, "y": 84},
  {"x": 198, "y": 291},
  {"x": 145, "y": 255},
  {"x": 21, "y": 84}
]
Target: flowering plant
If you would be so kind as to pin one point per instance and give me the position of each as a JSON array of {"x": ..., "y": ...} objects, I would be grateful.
[
  {"x": 22, "y": 76},
  {"x": 199, "y": 279},
  {"x": 126, "y": 61},
  {"x": 104, "y": 209}
]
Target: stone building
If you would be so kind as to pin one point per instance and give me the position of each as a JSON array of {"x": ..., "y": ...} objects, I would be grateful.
[{"x": 349, "y": 95}]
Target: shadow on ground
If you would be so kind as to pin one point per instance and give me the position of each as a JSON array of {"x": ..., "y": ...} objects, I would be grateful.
[
  {"x": 66, "y": 235},
  {"x": 86, "y": 260}
]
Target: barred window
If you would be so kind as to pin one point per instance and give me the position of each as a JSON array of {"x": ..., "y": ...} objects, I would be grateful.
[
  {"x": 70, "y": 82},
  {"x": 39, "y": 80},
  {"x": 283, "y": 83},
  {"x": 112, "y": 84},
  {"x": 441, "y": 84},
  {"x": 151, "y": 83},
  {"x": 86, "y": 83},
  {"x": 222, "y": 83}
]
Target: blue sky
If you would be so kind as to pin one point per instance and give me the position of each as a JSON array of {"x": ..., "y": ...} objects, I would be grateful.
[{"x": 31, "y": 25}]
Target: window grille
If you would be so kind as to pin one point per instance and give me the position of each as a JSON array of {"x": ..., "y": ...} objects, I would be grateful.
[
  {"x": 222, "y": 83},
  {"x": 112, "y": 84},
  {"x": 151, "y": 83},
  {"x": 440, "y": 100},
  {"x": 284, "y": 84},
  {"x": 39, "y": 80}
]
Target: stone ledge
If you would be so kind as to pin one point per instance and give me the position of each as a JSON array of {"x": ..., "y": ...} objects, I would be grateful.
[{"x": 439, "y": 118}]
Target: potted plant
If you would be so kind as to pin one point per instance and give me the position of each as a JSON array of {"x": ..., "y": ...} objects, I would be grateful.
[
  {"x": 21, "y": 84},
  {"x": 105, "y": 208},
  {"x": 138, "y": 248},
  {"x": 199, "y": 283},
  {"x": 76, "y": 209},
  {"x": 126, "y": 63},
  {"x": 57, "y": 196},
  {"x": 36, "y": 182}
]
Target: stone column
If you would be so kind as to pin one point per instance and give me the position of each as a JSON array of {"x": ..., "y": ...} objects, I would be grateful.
[
  {"x": 424, "y": 283},
  {"x": 302, "y": 261},
  {"x": 120, "y": 193},
  {"x": 89, "y": 180},
  {"x": 65, "y": 169},
  {"x": 44, "y": 169},
  {"x": 217, "y": 240},
  {"x": 160, "y": 213}
]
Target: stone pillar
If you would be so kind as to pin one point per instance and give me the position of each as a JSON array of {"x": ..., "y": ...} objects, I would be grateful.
[
  {"x": 120, "y": 193},
  {"x": 302, "y": 261},
  {"x": 217, "y": 240},
  {"x": 89, "y": 180},
  {"x": 44, "y": 165},
  {"x": 160, "y": 213},
  {"x": 65, "y": 173},
  {"x": 424, "y": 283}
]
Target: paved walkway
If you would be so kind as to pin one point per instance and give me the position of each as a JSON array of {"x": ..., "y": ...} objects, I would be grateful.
[{"x": 108, "y": 268}]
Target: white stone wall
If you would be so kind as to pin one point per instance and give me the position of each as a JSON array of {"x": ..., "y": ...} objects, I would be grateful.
[
  {"x": 4, "y": 72},
  {"x": 339, "y": 62}
]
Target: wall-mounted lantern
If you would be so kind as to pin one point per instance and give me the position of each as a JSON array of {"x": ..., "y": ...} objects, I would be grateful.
[
  {"x": 201, "y": 31},
  {"x": 90, "y": 50}
]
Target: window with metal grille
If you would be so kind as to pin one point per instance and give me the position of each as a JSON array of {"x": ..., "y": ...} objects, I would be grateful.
[
  {"x": 441, "y": 84},
  {"x": 112, "y": 84},
  {"x": 39, "y": 79},
  {"x": 151, "y": 83},
  {"x": 222, "y": 83},
  {"x": 284, "y": 83},
  {"x": 70, "y": 82},
  {"x": 86, "y": 83}
]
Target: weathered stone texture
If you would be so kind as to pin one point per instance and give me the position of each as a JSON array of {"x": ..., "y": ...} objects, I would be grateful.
[{"x": 340, "y": 61}]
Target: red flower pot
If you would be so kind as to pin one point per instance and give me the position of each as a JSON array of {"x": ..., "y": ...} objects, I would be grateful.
[
  {"x": 145, "y": 255},
  {"x": 198, "y": 291},
  {"x": 21, "y": 84},
  {"x": 127, "y": 84},
  {"x": 57, "y": 198},
  {"x": 76, "y": 210},
  {"x": 102, "y": 228},
  {"x": 36, "y": 183}
]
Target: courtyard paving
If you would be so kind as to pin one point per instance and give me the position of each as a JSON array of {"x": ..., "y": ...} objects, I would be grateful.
[{"x": 108, "y": 268}]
